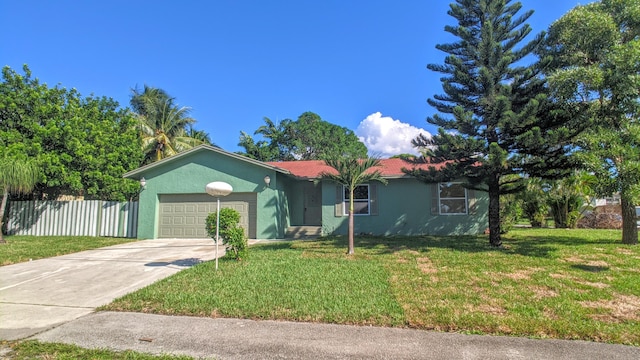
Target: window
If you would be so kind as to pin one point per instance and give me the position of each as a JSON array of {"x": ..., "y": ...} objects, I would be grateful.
[
  {"x": 360, "y": 200},
  {"x": 452, "y": 199}
]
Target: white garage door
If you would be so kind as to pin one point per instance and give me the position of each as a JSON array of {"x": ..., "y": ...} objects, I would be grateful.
[{"x": 184, "y": 215}]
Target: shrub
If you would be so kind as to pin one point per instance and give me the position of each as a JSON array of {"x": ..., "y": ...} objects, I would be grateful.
[{"x": 231, "y": 232}]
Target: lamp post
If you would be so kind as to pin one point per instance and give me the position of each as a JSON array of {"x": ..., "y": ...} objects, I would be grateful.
[{"x": 218, "y": 189}]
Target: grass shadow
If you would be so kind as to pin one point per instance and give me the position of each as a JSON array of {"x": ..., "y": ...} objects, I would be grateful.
[
  {"x": 532, "y": 243},
  {"x": 590, "y": 268}
]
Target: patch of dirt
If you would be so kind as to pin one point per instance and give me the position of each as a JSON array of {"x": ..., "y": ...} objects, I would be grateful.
[
  {"x": 574, "y": 259},
  {"x": 540, "y": 292},
  {"x": 559, "y": 276},
  {"x": 426, "y": 266},
  {"x": 524, "y": 274},
  {"x": 490, "y": 309},
  {"x": 620, "y": 308},
  {"x": 624, "y": 251},
  {"x": 550, "y": 314},
  {"x": 599, "y": 263}
]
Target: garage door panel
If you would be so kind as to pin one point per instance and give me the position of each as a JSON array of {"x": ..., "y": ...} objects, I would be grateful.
[{"x": 184, "y": 215}]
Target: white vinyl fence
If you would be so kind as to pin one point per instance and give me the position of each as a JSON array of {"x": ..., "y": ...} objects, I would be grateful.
[{"x": 73, "y": 218}]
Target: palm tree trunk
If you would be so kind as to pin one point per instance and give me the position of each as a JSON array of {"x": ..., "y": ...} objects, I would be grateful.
[
  {"x": 350, "y": 251},
  {"x": 5, "y": 196}
]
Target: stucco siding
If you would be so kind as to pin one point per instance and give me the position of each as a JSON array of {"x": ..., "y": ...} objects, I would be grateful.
[
  {"x": 404, "y": 208},
  {"x": 190, "y": 175}
]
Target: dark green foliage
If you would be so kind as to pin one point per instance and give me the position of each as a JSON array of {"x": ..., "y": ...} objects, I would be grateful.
[
  {"x": 83, "y": 144},
  {"x": 307, "y": 138},
  {"x": 595, "y": 69},
  {"x": 510, "y": 212},
  {"x": 533, "y": 204},
  {"x": 230, "y": 231},
  {"x": 500, "y": 123}
]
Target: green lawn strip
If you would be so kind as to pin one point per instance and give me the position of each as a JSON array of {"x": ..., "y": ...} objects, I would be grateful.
[
  {"x": 284, "y": 284},
  {"x": 24, "y": 248},
  {"x": 546, "y": 283},
  {"x": 33, "y": 349}
]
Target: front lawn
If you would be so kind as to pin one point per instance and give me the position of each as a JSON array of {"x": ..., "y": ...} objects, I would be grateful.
[
  {"x": 24, "y": 248},
  {"x": 547, "y": 283}
]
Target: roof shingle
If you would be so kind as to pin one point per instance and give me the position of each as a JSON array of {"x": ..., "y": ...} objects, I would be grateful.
[{"x": 311, "y": 169}]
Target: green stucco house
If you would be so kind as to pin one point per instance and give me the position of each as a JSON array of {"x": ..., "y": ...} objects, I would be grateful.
[{"x": 284, "y": 199}]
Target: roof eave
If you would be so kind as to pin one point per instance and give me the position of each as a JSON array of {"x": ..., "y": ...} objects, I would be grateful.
[{"x": 133, "y": 174}]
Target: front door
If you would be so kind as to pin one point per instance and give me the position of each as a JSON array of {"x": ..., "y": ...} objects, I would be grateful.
[{"x": 312, "y": 204}]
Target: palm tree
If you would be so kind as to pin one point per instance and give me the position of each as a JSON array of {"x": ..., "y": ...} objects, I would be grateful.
[
  {"x": 198, "y": 136},
  {"x": 352, "y": 172},
  {"x": 16, "y": 176},
  {"x": 163, "y": 124}
]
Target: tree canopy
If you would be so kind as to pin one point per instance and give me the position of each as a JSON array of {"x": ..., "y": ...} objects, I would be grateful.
[
  {"x": 499, "y": 122},
  {"x": 595, "y": 50},
  {"x": 82, "y": 144},
  {"x": 165, "y": 128},
  {"x": 307, "y": 138}
]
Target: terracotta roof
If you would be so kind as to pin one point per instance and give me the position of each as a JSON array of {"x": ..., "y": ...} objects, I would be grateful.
[{"x": 311, "y": 169}]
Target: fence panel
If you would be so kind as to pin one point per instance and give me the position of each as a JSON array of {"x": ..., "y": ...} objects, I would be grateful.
[{"x": 73, "y": 218}]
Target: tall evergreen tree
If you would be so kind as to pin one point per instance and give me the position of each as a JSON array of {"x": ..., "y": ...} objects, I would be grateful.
[{"x": 500, "y": 122}]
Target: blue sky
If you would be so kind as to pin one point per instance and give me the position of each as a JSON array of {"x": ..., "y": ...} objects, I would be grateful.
[{"x": 356, "y": 63}]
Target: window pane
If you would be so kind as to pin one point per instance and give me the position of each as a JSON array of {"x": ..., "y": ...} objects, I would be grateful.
[
  {"x": 451, "y": 190},
  {"x": 360, "y": 207},
  {"x": 454, "y": 206},
  {"x": 361, "y": 192}
]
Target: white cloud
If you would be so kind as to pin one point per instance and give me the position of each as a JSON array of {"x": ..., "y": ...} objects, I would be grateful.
[{"x": 386, "y": 137}]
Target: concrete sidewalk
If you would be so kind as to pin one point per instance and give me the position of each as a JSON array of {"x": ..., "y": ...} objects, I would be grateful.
[{"x": 248, "y": 339}]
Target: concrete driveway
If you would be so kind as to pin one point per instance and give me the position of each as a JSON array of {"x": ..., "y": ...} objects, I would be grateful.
[{"x": 41, "y": 294}]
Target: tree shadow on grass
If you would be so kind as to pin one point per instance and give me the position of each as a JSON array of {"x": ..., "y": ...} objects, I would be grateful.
[
  {"x": 275, "y": 245},
  {"x": 542, "y": 245}
]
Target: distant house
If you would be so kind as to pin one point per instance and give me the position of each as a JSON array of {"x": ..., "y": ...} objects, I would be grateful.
[{"x": 173, "y": 203}]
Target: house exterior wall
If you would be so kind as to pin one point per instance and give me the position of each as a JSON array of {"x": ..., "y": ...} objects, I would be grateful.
[
  {"x": 190, "y": 175},
  {"x": 404, "y": 208}
]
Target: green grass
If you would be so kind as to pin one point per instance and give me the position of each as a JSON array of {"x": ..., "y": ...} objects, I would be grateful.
[
  {"x": 24, "y": 248},
  {"x": 51, "y": 351},
  {"x": 545, "y": 283}
]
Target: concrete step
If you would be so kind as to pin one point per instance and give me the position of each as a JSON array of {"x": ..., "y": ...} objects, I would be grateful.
[{"x": 303, "y": 232}]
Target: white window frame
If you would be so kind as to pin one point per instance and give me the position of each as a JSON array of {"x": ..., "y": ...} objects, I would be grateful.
[
  {"x": 345, "y": 201},
  {"x": 466, "y": 200}
]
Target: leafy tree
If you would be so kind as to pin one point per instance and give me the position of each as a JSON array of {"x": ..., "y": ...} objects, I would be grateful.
[
  {"x": 83, "y": 145},
  {"x": 564, "y": 202},
  {"x": 162, "y": 123},
  {"x": 352, "y": 172},
  {"x": 595, "y": 49},
  {"x": 501, "y": 123},
  {"x": 16, "y": 176},
  {"x": 307, "y": 138},
  {"x": 532, "y": 202}
]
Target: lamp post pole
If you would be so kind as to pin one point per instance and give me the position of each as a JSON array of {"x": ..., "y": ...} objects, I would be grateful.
[
  {"x": 218, "y": 189},
  {"x": 217, "y": 230}
]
